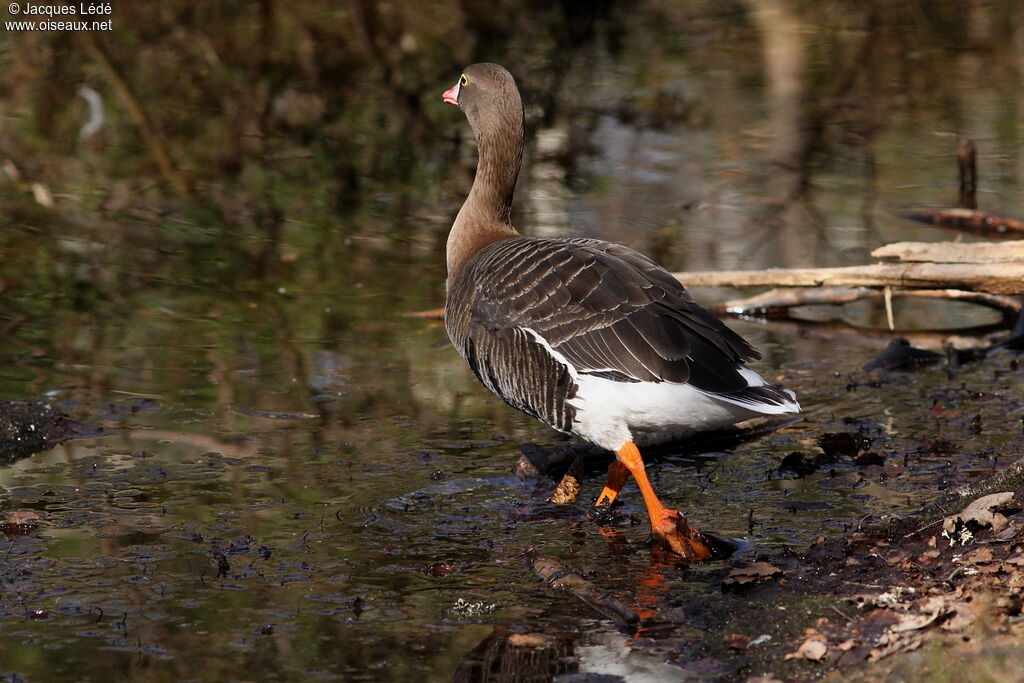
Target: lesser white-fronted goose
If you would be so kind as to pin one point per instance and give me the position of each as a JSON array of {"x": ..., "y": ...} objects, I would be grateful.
[{"x": 590, "y": 337}]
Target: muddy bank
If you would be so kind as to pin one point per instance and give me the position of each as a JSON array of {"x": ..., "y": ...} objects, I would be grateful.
[
  {"x": 28, "y": 427},
  {"x": 895, "y": 597},
  {"x": 896, "y": 592}
]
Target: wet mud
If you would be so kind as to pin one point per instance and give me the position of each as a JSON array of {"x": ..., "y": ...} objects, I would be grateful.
[
  {"x": 28, "y": 427},
  {"x": 851, "y": 604}
]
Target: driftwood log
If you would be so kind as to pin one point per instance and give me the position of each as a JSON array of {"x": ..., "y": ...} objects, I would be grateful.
[
  {"x": 953, "y": 252},
  {"x": 988, "y": 274},
  {"x": 777, "y": 302},
  {"x": 995, "y": 278}
]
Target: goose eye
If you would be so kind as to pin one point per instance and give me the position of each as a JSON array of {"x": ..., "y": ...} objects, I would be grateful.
[{"x": 463, "y": 80}]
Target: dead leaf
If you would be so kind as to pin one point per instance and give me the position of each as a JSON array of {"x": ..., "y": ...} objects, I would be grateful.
[
  {"x": 19, "y": 522},
  {"x": 912, "y": 622},
  {"x": 893, "y": 643},
  {"x": 21, "y": 516},
  {"x": 812, "y": 649},
  {"x": 982, "y": 512},
  {"x": 758, "y": 571},
  {"x": 938, "y": 606},
  {"x": 964, "y": 615},
  {"x": 532, "y": 640},
  {"x": 982, "y": 555},
  {"x": 897, "y": 557}
]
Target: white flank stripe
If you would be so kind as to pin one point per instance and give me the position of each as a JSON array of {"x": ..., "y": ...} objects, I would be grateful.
[{"x": 609, "y": 413}]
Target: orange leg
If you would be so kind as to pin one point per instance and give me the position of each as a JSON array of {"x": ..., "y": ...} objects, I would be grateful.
[
  {"x": 617, "y": 476},
  {"x": 668, "y": 526}
]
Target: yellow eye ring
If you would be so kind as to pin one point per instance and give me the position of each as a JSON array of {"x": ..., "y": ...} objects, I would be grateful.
[{"x": 463, "y": 80}]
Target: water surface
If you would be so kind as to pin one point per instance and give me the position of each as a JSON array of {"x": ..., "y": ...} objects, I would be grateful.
[{"x": 296, "y": 480}]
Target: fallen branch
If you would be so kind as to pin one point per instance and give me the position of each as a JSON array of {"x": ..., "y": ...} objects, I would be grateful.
[
  {"x": 968, "y": 220},
  {"x": 876, "y": 338},
  {"x": 554, "y": 574},
  {"x": 953, "y": 252},
  {"x": 777, "y": 302},
  {"x": 999, "y": 278}
]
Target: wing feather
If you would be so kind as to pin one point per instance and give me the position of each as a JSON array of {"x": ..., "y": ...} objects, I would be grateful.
[{"x": 605, "y": 309}]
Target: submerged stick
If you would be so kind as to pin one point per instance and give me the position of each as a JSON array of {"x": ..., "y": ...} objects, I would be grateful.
[
  {"x": 968, "y": 220},
  {"x": 554, "y": 574}
]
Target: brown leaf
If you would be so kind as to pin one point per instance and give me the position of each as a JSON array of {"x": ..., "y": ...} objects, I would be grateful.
[
  {"x": 982, "y": 512},
  {"x": 916, "y": 622},
  {"x": 531, "y": 640},
  {"x": 21, "y": 516},
  {"x": 891, "y": 644},
  {"x": 758, "y": 571},
  {"x": 912, "y": 622},
  {"x": 847, "y": 644},
  {"x": 982, "y": 555},
  {"x": 897, "y": 557},
  {"x": 19, "y": 522},
  {"x": 964, "y": 616},
  {"x": 812, "y": 648}
]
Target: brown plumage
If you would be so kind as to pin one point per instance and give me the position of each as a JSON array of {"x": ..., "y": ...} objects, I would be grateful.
[{"x": 590, "y": 337}]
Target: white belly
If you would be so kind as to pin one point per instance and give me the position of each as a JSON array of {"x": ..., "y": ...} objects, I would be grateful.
[{"x": 610, "y": 413}]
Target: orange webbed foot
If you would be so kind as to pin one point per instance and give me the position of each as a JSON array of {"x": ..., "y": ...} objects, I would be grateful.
[{"x": 672, "y": 533}]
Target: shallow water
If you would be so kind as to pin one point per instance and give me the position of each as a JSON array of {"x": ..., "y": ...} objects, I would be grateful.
[{"x": 298, "y": 481}]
